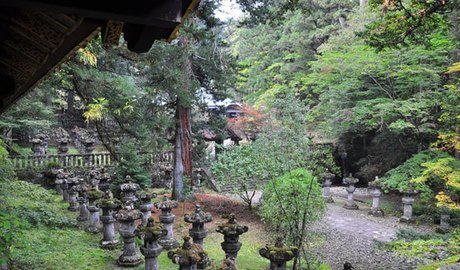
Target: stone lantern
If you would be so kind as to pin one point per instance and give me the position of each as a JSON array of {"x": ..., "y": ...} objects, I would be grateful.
[
  {"x": 63, "y": 146},
  {"x": 73, "y": 202},
  {"x": 93, "y": 224},
  {"x": 93, "y": 178},
  {"x": 63, "y": 139},
  {"x": 73, "y": 192},
  {"x": 279, "y": 254},
  {"x": 350, "y": 181},
  {"x": 108, "y": 205},
  {"x": 89, "y": 146},
  {"x": 189, "y": 256},
  {"x": 40, "y": 144},
  {"x": 65, "y": 188},
  {"x": 151, "y": 249},
  {"x": 146, "y": 206},
  {"x": 128, "y": 188},
  {"x": 408, "y": 200},
  {"x": 231, "y": 231},
  {"x": 198, "y": 232},
  {"x": 82, "y": 199},
  {"x": 104, "y": 180},
  {"x": 444, "y": 222},
  {"x": 374, "y": 186},
  {"x": 37, "y": 147},
  {"x": 127, "y": 217},
  {"x": 167, "y": 220},
  {"x": 328, "y": 177},
  {"x": 59, "y": 181}
]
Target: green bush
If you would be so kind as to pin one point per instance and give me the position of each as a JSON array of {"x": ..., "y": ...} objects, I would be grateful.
[
  {"x": 288, "y": 198},
  {"x": 34, "y": 204},
  {"x": 251, "y": 166},
  {"x": 8, "y": 225},
  {"x": 6, "y": 167},
  {"x": 426, "y": 245},
  {"x": 291, "y": 203},
  {"x": 412, "y": 235},
  {"x": 401, "y": 177}
]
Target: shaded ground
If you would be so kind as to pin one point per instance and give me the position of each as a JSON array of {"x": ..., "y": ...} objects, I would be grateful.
[{"x": 218, "y": 206}]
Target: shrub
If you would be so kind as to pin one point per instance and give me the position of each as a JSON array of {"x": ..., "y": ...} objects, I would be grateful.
[
  {"x": 432, "y": 246},
  {"x": 443, "y": 177},
  {"x": 6, "y": 167},
  {"x": 243, "y": 168},
  {"x": 291, "y": 202},
  {"x": 251, "y": 166},
  {"x": 34, "y": 204},
  {"x": 401, "y": 177}
]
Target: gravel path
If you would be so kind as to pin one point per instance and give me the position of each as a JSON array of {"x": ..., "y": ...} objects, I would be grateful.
[{"x": 351, "y": 236}]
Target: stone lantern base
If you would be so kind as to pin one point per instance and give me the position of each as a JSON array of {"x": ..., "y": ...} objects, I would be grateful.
[
  {"x": 109, "y": 244},
  {"x": 169, "y": 243},
  {"x": 351, "y": 206},
  {"x": 130, "y": 261},
  {"x": 405, "y": 219},
  {"x": 376, "y": 212},
  {"x": 328, "y": 199}
]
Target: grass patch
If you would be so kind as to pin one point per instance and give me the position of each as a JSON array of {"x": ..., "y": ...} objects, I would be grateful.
[
  {"x": 440, "y": 249},
  {"x": 437, "y": 265},
  {"x": 49, "y": 238},
  {"x": 46, "y": 248}
]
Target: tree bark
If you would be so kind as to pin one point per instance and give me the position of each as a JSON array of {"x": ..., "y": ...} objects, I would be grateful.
[
  {"x": 178, "y": 187},
  {"x": 182, "y": 157},
  {"x": 183, "y": 142}
]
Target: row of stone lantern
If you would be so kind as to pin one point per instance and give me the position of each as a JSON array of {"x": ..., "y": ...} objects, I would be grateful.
[
  {"x": 95, "y": 203},
  {"x": 40, "y": 143},
  {"x": 375, "y": 190}
]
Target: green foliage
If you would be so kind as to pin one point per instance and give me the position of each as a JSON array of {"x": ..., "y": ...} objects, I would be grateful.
[
  {"x": 132, "y": 163},
  {"x": 407, "y": 22},
  {"x": 53, "y": 165},
  {"x": 400, "y": 177},
  {"x": 427, "y": 247},
  {"x": 243, "y": 168},
  {"x": 264, "y": 74},
  {"x": 452, "y": 260},
  {"x": 34, "y": 204},
  {"x": 283, "y": 145},
  {"x": 417, "y": 248},
  {"x": 443, "y": 175},
  {"x": 410, "y": 235},
  {"x": 290, "y": 203},
  {"x": 97, "y": 110},
  {"x": 295, "y": 194},
  {"x": 8, "y": 224},
  {"x": 33, "y": 112},
  {"x": 392, "y": 91},
  {"x": 46, "y": 248},
  {"x": 23, "y": 204},
  {"x": 6, "y": 167}
]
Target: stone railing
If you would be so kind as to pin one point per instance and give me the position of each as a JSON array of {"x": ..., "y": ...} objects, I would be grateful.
[
  {"x": 65, "y": 161},
  {"x": 79, "y": 160}
]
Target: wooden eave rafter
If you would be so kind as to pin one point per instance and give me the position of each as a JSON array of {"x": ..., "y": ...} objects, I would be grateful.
[{"x": 36, "y": 36}]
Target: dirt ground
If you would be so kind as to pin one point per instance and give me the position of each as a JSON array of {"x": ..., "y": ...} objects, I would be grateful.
[{"x": 217, "y": 206}]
